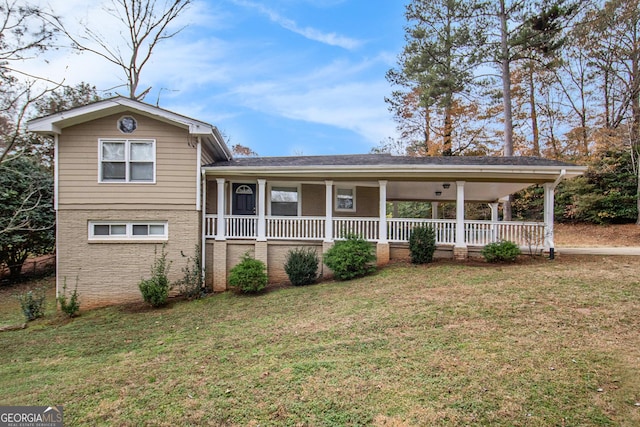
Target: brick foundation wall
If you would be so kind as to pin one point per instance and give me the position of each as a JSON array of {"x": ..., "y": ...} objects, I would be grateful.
[{"x": 109, "y": 272}]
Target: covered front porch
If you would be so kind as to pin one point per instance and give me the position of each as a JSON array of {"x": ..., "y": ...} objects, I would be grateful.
[{"x": 282, "y": 203}]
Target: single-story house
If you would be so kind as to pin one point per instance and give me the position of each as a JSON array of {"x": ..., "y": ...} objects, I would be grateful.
[{"x": 130, "y": 176}]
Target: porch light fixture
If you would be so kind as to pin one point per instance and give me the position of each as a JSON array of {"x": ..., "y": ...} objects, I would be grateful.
[
  {"x": 438, "y": 193},
  {"x": 446, "y": 185}
]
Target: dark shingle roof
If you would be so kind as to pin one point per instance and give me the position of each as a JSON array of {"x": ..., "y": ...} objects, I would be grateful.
[{"x": 386, "y": 159}]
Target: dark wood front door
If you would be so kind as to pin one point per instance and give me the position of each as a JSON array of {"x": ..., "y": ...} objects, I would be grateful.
[{"x": 244, "y": 199}]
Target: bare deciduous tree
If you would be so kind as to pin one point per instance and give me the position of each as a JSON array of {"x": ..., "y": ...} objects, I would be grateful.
[{"x": 144, "y": 25}]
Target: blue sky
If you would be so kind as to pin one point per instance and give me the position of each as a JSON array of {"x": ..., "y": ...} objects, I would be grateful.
[{"x": 283, "y": 77}]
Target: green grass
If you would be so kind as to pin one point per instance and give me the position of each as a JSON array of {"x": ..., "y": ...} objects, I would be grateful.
[{"x": 534, "y": 344}]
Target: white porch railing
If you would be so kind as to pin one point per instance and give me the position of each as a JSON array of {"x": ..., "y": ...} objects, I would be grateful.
[
  {"x": 480, "y": 233},
  {"x": 477, "y": 233},
  {"x": 366, "y": 228},
  {"x": 296, "y": 228},
  {"x": 399, "y": 229},
  {"x": 241, "y": 226}
]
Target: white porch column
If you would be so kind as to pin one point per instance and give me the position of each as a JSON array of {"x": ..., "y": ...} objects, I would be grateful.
[
  {"x": 328, "y": 225},
  {"x": 220, "y": 232},
  {"x": 382, "y": 248},
  {"x": 460, "y": 248},
  {"x": 434, "y": 210},
  {"x": 494, "y": 219},
  {"x": 262, "y": 217},
  {"x": 549, "y": 198},
  {"x": 382, "y": 238}
]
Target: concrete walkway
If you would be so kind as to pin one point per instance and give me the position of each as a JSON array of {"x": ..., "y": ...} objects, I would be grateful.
[{"x": 629, "y": 250}]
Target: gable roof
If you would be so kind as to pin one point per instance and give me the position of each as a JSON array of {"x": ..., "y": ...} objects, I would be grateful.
[{"x": 54, "y": 123}]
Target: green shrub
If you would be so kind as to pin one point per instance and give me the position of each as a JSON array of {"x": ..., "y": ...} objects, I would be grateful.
[
  {"x": 155, "y": 291},
  {"x": 191, "y": 286},
  {"x": 302, "y": 266},
  {"x": 249, "y": 276},
  {"x": 32, "y": 303},
  {"x": 350, "y": 258},
  {"x": 71, "y": 307},
  {"x": 503, "y": 251},
  {"x": 422, "y": 244}
]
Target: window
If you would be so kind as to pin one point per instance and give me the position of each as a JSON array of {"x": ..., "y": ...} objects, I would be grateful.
[
  {"x": 127, "y": 160},
  {"x": 117, "y": 230},
  {"x": 284, "y": 201},
  {"x": 345, "y": 199}
]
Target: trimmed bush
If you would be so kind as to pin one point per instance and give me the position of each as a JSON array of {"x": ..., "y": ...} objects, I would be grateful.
[
  {"x": 422, "y": 244},
  {"x": 72, "y": 306},
  {"x": 302, "y": 266},
  {"x": 351, "y": 258},
  {"x": 155, "y": 291},
  {"x": 503, "y": 251},
  {"x": 32, "y": 303},
  {"x": 249, "y": 276}
]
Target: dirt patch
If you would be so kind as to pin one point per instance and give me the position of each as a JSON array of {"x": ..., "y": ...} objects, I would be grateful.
[{"x": 590, "y": 235}]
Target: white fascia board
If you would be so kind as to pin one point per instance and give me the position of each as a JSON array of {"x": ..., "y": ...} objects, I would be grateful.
[
  {"x": 53, "y": 123},
  {"x": 472, "y": 171}
]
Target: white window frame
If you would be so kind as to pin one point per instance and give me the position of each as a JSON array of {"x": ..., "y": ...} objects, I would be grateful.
[
  {"x": 298, "y": 188},
  {"x": 353, "y": 193},
  {"x": 127, "y": 161},
  {"x": 128, "y": 235}
]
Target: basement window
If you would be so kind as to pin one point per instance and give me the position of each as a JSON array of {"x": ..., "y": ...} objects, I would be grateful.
[{"x": 117, "y": 230}]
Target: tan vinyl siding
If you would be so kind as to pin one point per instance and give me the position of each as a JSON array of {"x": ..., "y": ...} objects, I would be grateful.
[
  {"x": 212, "y": 197},
  {"x": 313, "y": 200},
  {"x": 176, "y": 165},
  {"x": 367, "y": 202}
]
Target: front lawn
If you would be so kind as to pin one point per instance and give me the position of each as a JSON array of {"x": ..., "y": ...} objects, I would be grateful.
[{"x": 533, "y": 344}]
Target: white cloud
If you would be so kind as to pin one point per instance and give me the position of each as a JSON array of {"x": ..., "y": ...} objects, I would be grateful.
[
  {"x": 358, "y": 107},
  {"x": 310, "y": 33}
]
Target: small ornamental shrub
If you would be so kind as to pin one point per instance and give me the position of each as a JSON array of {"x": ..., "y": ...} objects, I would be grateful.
[
  {"x": 191, "y": 286},
  {"x": 422, "y": 244},
  {"x": 249, "y": 276},
  {"x": 72, "y": 306},
  {"x": 302, "y": 266},
  {"x": 155, "y": 291},
  {"x": 351, "y": 258},
  {"x": 503, "y": 251},
  {"x": 32, "y": 303}
]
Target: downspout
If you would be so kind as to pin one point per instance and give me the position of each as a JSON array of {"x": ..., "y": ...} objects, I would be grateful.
[
  {"x": 56, "y": 193},
  {"x": 201, "y": 188},
  {"x": 203, "y": 213}
]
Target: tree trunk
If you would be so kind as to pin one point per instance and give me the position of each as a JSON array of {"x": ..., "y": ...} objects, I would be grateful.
[
  {"x": 448, "y": 130},
  {"x": 534, "y": 113},
  {"x": 506, "y": 82},
  {"x": 506, "y": 97}
]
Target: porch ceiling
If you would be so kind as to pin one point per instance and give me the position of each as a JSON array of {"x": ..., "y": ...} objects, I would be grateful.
[{"x": 473, "y": 191}]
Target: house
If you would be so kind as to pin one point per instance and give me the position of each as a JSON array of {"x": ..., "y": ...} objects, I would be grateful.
[{"x": 130, "y": 176}]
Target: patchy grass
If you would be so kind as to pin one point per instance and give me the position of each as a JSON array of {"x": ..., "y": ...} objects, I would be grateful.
[{"x": 533, "y": 344}]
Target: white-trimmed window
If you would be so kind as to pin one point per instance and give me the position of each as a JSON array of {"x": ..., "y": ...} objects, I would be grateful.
[
  {"x": 127, "y": 160},
  {"x": 285, "y": 200},
  {"x": 128, "y": 230},
  {"x": 346, "y": 199}
]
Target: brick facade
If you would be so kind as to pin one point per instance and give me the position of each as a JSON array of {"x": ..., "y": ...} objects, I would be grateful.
[{"x": 108, "y": 272}]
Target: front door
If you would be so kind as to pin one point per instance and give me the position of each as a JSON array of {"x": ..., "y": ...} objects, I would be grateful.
[{"x": 244, "y": 199}]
